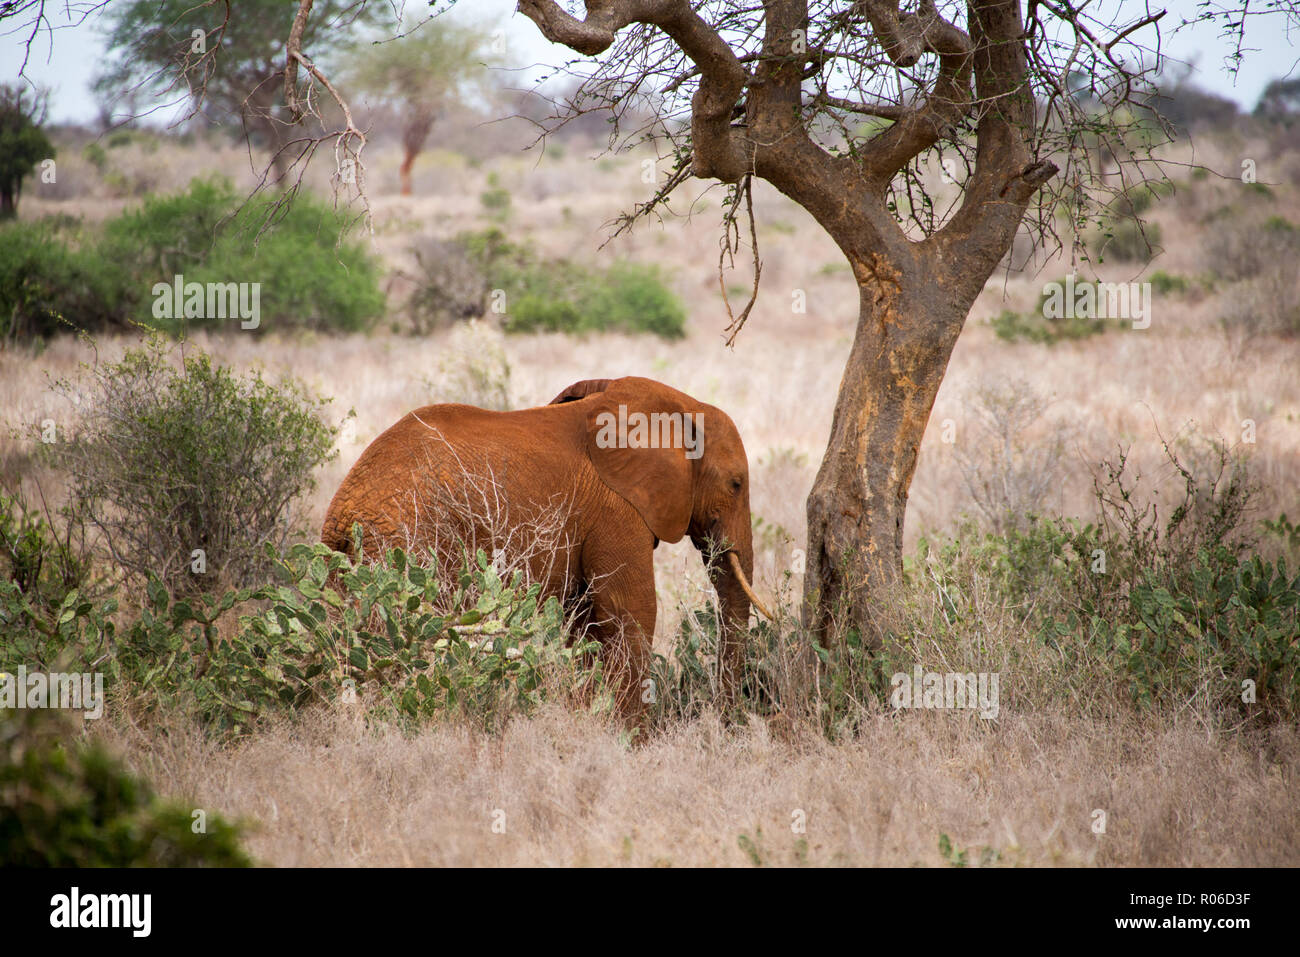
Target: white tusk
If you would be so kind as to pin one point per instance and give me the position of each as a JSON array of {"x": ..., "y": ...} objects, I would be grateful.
[{"x": 744, "y": 584}]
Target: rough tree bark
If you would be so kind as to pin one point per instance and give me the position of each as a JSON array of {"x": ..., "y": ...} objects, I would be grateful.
[{"x": 914, "y": 296}]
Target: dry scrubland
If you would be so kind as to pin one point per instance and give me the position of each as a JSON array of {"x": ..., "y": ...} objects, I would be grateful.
[{"x": 1017, "y": 791}]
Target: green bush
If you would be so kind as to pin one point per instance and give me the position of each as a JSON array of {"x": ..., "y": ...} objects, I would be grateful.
[
  {"x": 1011, "y": 326},
  {"x": 1164, "y": 283},
  {"x": 1037, "y": 326},
  {"x": 416, "y": 646},
  {"x": 1127, "y": 239},
  {"x": 626, "y": 297},
  {"x": 1179, "y": 610},
  {"x": 562, "y": 296},
  {"x": 169, "y": 234},
  {"x": 1120, "y": 232},
  {"x": 168, "y": 460},
  {"x": 479, "y": 649},
  {"x": 48, "y": 286},
  {"x": 1138, "y": 610},
  {"x": 43, "y": 564},
  {"x": 496, "y": 198},
  {"x": 306, "y": 276},
  {"x": 65, "y": 803}
]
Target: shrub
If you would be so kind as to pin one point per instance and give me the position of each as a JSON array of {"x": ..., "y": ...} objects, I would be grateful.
[
  {"x": 1245, "y": 245},
  {"x": 43, "y": 564},
  {"x": 65, "y": 803},
  {"x": 415, "y": 645},
  {"x": 1138, "y": 609},
  {"x": 1038, "y": 326},
  {"x": 627, "y": 297},
  {"x": 686, "y": 683},
  {"x": 1164, "y": 283},
  {"x": 1010, "y": 326},
  {"x": 473, "y": 369},
  {"x": 496, "y": 199},
  {"x": 309, "y": 277},
  {"x": 632, "y": 297},
  {"x": 1180, "y": 606},
  {"x": 449, "y": 286},
  {"x": 1266, "y": 304},
  {"x": 169, "y": 460},
  {"x": 481, "y": 649},
  {"x": 1120, "y": 231},
  {"x": 561, "y": 296},
  {"x": 1128, "y": 239},
  {"x": 1008, "y": 477},
  {"x": 95, "y": 155},
  {"x": 47, "y": 286},
  {"x": 169, "y": 234},
  {"x": 306, "y": 276}
]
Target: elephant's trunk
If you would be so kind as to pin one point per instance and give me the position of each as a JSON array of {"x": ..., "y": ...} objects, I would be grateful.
[{"x": 730, "y": 577}]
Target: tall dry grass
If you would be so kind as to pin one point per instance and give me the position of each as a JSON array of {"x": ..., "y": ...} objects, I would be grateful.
[{"x": 562, "y": 790}]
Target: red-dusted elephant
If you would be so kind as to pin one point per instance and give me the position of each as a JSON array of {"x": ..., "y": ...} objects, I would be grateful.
[{"x": 597, "y": 478}]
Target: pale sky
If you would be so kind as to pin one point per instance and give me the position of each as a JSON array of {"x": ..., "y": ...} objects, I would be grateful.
[{"x": 70, "y": 61}]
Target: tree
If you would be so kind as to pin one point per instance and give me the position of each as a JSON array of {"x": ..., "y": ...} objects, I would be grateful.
[
  {"x": 1280, "y": 101},
  {"x": 23, "y": 143},
  {"x": 842, "y": 105},
  {"x": 775, "y": 91},
  {"x": 419, "y": 73},
  {"x": 226, "y": 60}
]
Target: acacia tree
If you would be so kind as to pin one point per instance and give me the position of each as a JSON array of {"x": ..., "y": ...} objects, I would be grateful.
[
  {"x": 226, "y": 60},
  {"x": 22, "y": 141},
  {"x": 430, "y": 65},
  {"x": 774, "y": 88}
]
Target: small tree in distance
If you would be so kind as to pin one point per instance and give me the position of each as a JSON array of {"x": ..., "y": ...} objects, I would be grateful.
[
  {"x": 223, "y": 60},
  {"x": 22, "y": 142},
  {"x": 420, "y": 73}
]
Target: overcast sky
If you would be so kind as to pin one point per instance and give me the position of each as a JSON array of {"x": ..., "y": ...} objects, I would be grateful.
[{"x": 69, "y": 61}]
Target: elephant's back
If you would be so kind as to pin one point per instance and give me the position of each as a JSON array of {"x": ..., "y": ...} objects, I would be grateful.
[{"x": 442, "y": 450}]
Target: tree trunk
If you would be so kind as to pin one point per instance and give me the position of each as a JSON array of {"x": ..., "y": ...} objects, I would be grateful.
[
  {"x": 415, "y": 133},
  {"x": 408, "y": 161},
  {"x": 8, "y": 201},
  {"x": 859, "y": 500}
]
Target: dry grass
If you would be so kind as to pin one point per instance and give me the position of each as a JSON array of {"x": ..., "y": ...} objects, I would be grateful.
[{"x": 328, "y": 791}]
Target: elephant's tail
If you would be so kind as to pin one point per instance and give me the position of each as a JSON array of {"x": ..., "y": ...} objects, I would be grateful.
[{"x": 336, "y": 534}]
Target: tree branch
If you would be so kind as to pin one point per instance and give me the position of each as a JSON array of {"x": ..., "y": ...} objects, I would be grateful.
[
  {"x": 717, "y": 152},
  {"x": 905, "y": 37}
]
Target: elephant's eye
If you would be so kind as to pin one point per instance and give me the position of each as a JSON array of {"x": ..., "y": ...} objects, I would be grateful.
[{"x": 736, "y": 483}]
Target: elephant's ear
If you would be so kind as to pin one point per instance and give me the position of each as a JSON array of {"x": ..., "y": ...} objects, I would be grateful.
[
  {"x": 658, "y": 482},
  {"x": 580, "y": 390}
]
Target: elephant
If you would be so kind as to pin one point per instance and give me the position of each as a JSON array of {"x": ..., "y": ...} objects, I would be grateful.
[{"x": 587, "y": 486}]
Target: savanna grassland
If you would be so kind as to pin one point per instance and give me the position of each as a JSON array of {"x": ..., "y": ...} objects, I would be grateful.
[{"x": 1019, "y": 427}]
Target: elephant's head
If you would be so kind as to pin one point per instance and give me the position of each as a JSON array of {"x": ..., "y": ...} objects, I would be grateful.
[{"x": 681, "y": 464}]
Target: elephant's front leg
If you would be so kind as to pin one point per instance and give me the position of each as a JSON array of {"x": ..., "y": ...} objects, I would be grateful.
[{"x": 623, "y": 601}]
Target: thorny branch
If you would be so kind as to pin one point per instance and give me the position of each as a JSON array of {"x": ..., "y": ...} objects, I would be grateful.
[{"x": 349, "y": 142}]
